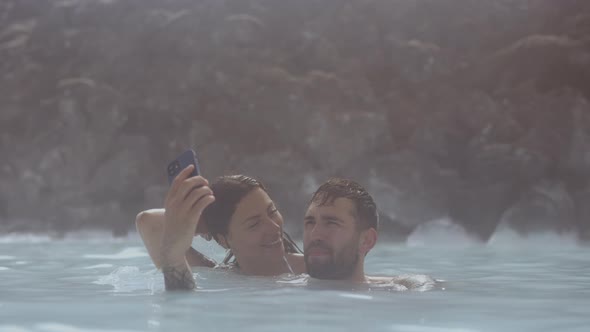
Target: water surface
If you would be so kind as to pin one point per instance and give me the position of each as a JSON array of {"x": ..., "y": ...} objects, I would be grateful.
[{"x": 95, "y": 283}]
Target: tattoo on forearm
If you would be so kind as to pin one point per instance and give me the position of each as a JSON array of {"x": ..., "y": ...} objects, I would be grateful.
[{"x": 178, "y": 278}]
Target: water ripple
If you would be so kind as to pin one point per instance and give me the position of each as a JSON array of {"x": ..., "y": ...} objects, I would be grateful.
[{"x": 126, "y": 253}]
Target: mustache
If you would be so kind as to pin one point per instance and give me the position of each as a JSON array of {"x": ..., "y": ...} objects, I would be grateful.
[{"x": 318, "y": 244}]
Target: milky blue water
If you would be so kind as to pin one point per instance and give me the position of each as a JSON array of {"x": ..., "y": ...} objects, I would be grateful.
[{"x": 95, "y": 283}]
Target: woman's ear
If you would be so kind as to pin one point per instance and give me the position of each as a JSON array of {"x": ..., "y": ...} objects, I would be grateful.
[{"x": 367, "y": 241}]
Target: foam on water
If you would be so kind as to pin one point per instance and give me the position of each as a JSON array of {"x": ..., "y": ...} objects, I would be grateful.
[
  {"x": 25, "y": 238},
  {"x": 100, "y": 237},
  {"x": 98, "y": 266},
  {"x": 129, "y": 279},
  {"x": 441, "y": 233},
  {"x": 445, "y": 233},
  {"x": 78, "y": 236},
  {"x": 356, "y": 296},
  {"x": 132, "y": 252},
  {"x": 510, "y": 239},
  {"x": 55, "y": 327}
]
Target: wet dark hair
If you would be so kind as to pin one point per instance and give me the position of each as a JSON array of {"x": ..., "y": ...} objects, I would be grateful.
[
  {"x": 366, "y": 209},
  {"x": 229, "y": 190}
]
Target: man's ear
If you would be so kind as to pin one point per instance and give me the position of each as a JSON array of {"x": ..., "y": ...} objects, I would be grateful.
[
  {"x": 367, "y": 241},
  {"x": 222, "y": 240}
]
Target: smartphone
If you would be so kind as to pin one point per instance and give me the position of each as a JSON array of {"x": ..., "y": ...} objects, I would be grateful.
[{"x": 187, "y": 158}]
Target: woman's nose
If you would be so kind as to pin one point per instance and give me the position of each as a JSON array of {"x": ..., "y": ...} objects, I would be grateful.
[{"x": 272, "y": 224}]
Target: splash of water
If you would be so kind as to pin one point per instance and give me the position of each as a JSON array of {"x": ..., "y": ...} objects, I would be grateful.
[
  {"x": 440, "y": 233},
  {"x": 508, "y": 238},
  {"x": 131, "y": 252}
]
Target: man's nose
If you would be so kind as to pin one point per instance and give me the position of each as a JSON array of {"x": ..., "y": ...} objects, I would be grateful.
[{"x": 317, "y": 232}]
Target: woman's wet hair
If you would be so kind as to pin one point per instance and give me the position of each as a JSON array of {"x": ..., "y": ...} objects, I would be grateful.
[{"x": 229, "y": 190}]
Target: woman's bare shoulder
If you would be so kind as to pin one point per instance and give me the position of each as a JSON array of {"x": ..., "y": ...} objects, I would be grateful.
[
  {"x": 150, "y": 220},
  {"x": 151, "y": 213}
]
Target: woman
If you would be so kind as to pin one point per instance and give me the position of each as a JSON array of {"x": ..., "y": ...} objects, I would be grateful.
[{"x": 236, "y": 211}]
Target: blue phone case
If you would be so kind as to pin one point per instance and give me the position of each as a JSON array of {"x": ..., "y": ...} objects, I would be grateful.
[{"x": 187, "y": 158}]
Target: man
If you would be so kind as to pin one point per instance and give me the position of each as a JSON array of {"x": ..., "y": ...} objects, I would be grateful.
[{"x": 340, "y": 228}]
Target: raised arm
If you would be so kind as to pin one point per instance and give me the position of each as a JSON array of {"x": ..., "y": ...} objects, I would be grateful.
[
  {"x": 185, "y": 202},
  {"x": 150, "y": 226}
]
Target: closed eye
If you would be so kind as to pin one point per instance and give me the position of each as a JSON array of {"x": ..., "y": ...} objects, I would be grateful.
[
  {"x": 271, "y": 209},
  {"x": 253, "y": 225}
]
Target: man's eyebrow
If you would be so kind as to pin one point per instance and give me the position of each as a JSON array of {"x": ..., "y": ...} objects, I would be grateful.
[{"x": 306, "y": 218}]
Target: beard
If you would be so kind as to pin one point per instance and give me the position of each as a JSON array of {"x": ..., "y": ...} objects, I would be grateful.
[{"x": 340, "y": 265}]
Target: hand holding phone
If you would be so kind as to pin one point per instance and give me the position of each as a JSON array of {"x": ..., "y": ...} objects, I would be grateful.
[
  {"x": 174, "y": 168},
  {"x": 187, "y": 158},
  {"x": 188, "y": 196}
]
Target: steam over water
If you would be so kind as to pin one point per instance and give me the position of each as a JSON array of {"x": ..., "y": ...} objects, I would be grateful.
[
  {"x": 468, "y": 122},
  {"x": 473, "y": 110}
]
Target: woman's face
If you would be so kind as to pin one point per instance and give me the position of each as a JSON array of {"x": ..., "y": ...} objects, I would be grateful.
[{"x": 255, "y": 233}]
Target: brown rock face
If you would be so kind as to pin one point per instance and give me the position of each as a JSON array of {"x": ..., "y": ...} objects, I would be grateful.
[{"x": 442, "y": 108}]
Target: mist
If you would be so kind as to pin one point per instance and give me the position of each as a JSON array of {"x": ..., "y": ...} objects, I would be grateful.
[{"x": 463, "y": 115}]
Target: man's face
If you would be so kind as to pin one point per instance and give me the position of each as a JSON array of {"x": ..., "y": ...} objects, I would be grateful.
[{"x": 331, "y": 239}]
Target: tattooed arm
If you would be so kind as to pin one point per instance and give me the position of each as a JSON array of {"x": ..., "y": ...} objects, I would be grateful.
[
  {"x": 178, "y": 277},
  {"x": 185, "y": 202}
]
